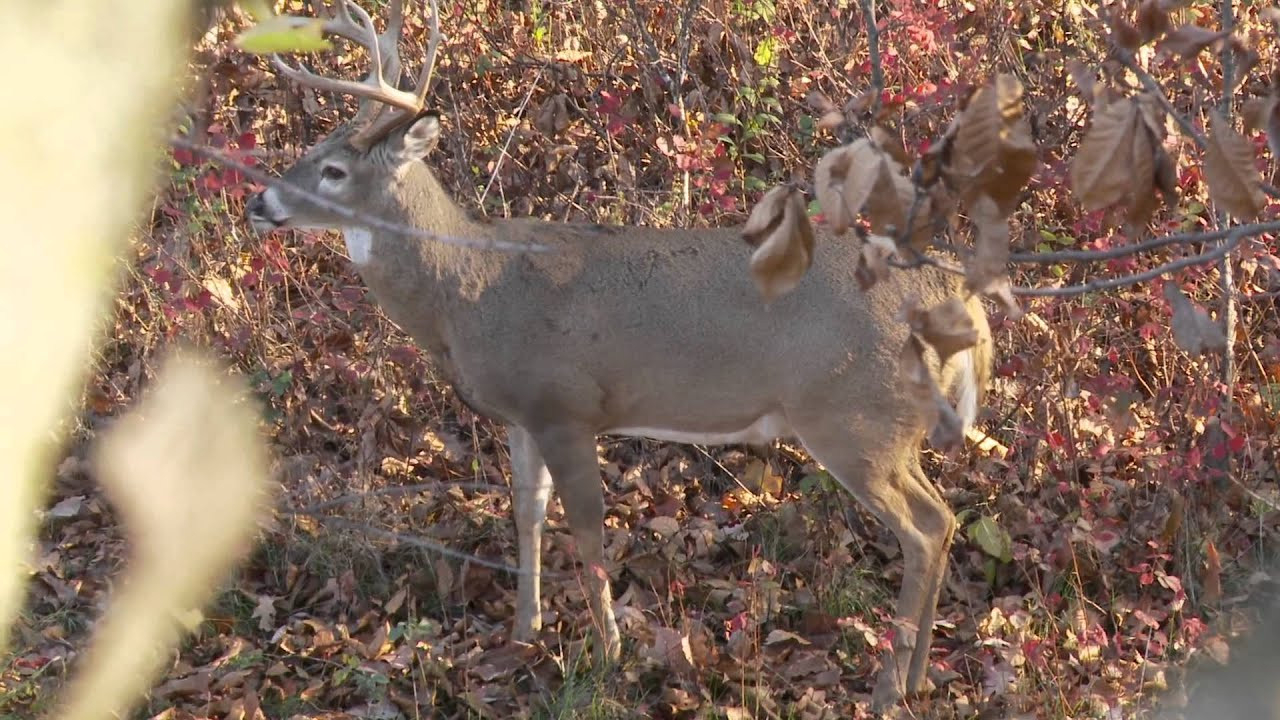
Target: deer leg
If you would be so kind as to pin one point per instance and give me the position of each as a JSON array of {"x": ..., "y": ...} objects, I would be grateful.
[
  {"x": 923, "y": 525},
  {"x": 570, "y": 454},
  {"x": 530, "y": 489}
]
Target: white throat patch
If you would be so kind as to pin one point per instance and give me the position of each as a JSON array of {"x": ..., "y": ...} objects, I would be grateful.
[{"x": 359, "y": 244}]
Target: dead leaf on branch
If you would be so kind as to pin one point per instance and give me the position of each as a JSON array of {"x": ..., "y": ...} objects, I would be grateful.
[
  {"x": 946, "y": 327},
  {"x": 987, "y": 271},
  {"x": 829, "y": 179},
  {"x": 862, "y": 178},
  {"x": 1229, "y": 170},
  {"x": 1100, "y": 170},
  {"x": 995, "y": 154},
  {"x": 553, "y": 117},
  {"x": 1263, "y": 113},
  {"x": 1153, "y": 20},
  {"x": 1187, "y": 41},
  {"x": 779, "y": 230},
  {"x": 946, "y": 427},
  {"x": 873, "y": 260},
  {"x": 1193, "y": 330}
]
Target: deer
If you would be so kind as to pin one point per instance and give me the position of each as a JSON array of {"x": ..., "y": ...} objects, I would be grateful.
[{"x": 573, "y": 331}]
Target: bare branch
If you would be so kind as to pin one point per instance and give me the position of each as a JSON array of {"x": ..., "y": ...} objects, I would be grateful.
[
  {"x": 1062, "y": 256},
  {"x": 1233, "y": 239}
]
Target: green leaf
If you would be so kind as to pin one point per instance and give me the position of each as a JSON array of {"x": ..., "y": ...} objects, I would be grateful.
[
  {"x": 727, "y": 119},
  {"x": 754, "y": 183},
  {"x": 284, "y": 33},
  {"x": 753, "y": 157},
  {"x": 992, "y": 538}
]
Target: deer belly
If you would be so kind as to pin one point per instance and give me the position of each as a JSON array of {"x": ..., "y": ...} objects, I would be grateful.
[{"x": 763, "y": 430}]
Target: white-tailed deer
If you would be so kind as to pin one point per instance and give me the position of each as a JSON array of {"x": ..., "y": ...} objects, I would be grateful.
[{"x": 630, "y": 331}]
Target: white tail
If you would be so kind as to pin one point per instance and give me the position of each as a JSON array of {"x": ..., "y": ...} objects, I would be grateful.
[{"x": 631, "y": 330}]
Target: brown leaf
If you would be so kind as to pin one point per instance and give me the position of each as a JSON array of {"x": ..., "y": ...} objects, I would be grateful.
[
  {"x": 1153, "y": 20},
  {"x": 1193, "y": 330},
  {"x": 831, "y": 120},
  {"x": 821, "y": 103},
  {"x": 1263, "y": 113},
  {"x": 1142, "y": 200},
  {"x": 1229, "y": 170},
  {"x": 946, "y": 427},
  {"x": 1084, "y": 78},
  {"x": 1212, "y": 576},
  {"x": 863, "y": 179},
  {"x": 778, "y": 228},
  {"x": 873, "y": 260},
  {"x": 553, "y": 116},
  {"x": 829, "y": 185},
  {"x": 1124, "y": 33},
  {"x": 1100, "y": 170},
  {"x": 988, "y": 266},
  {"x": 995, "y": 154},
  {"x": 1188, "y": 40},
  {"x": 889, "y": 144},
  {"x": 890, "y": 199},
  {"x": 947, "y": 327}
]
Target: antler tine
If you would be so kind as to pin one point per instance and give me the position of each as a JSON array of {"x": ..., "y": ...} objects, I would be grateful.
[
  {"x": 354, "y": 23},
  {"x": 429, "y": 67}
]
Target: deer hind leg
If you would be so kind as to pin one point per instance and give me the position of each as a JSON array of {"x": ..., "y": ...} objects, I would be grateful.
[
  {"x": 530, "y": 488},
  {"x": 570, "y": 455},
  {"x": 884, "y": 475}
]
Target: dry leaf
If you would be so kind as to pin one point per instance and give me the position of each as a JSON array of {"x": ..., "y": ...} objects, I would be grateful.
[
  {"x": 887, "y": 143},
  {"x": 873, "y": 260},
  {"x": 1142, "y": 198},
  {"x": 1084, "y": 78},
  {"x": 1124, "y": 33},
  {"x": 995, "y": 154},
  {"x": 1229, "y": 170},
  {"x": 1193, "y": 330},
  {"x": 779, "y": 230},
  {"x": 1100, "y": 170},
  {"x": 947, "y": 327},
  {"x": 946, "y": 427},
  {"x": 553, "y": 116},
  {"x": 1263, "y": 113},
  {"x": 1153, "y": 20},
  {"x": 1188, "y": 40},
  {"x": 991, "y": 246},
  {"x": 831, "y": 120},
  {"x": 829, "y": 185},
  {"x": 1212, "y": 583}
]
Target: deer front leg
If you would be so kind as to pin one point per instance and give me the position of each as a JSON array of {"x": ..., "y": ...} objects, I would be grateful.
[
  {"x": 570, "y": 454},
  {"x": 530, "y": 490}
]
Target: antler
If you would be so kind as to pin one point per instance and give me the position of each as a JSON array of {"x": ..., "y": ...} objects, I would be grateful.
[{"x": 347, "y": 19}]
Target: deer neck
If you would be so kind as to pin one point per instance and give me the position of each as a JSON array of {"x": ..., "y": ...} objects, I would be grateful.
[{"x": 420, "y": 282}]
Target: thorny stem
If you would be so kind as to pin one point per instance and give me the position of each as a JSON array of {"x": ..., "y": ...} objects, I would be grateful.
[{"x": 348, "y": 213}]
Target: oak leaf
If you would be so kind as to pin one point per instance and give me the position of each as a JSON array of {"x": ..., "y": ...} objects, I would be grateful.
[
  {"x": 1229, "y": 170},
  {"x": 779, "y": 230},
  {"x": 1100, "y": 170}
]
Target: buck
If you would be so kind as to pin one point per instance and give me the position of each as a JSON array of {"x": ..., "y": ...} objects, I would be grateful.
[{"x": 627, "y": 331}]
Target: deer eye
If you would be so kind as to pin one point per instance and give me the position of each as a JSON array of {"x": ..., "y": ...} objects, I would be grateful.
[{"x": 333, "y": 172}]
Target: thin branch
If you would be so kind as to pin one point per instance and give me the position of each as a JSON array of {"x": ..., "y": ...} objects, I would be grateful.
[
  {"x": 511, "y": 136},
  {"x": 431, "y": 546},
  {"x": 1077, "y": 256},
  {"x": 348, "y": 213},
  {"x": 873, "y": 48},
  {"x": 1233, "y": 239},
  {"x": 642, "y": 23}
]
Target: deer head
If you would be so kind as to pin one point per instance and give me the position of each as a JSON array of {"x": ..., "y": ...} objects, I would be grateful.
[{"x": 389, "y": 132}]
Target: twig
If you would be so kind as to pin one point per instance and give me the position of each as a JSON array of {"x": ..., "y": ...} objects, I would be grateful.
[
  {"x": 511, "y": 135},
  {"x": 1233, "y": 239},
  {"x": 1063, "y": 256},
  {"x": 349, "y": 213},
  {"x": 1152, "y": 86},
  {"x": 431, "y": 546},
  {"x": 1226, "y": 272},
  {"x": 873, "y": 48},
  {"x": 642, "y": 23}
]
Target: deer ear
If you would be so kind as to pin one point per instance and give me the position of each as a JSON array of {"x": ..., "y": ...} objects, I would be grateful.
[{"x": 420, "y": 138}]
